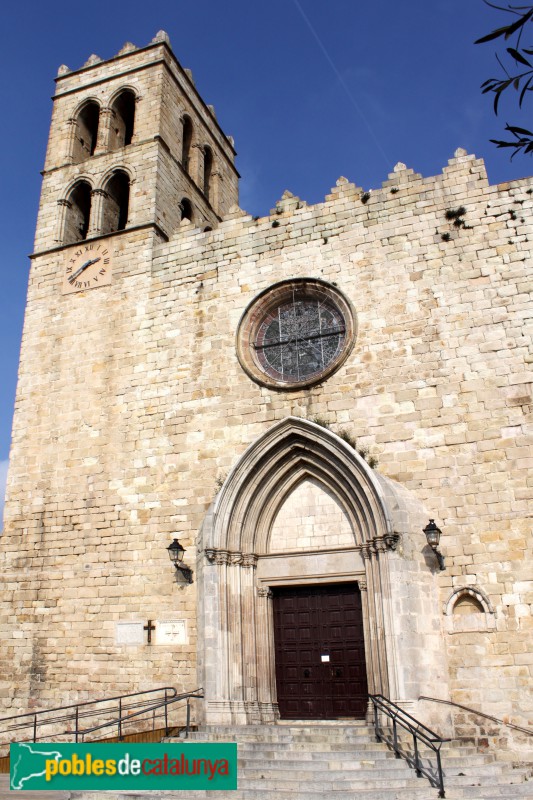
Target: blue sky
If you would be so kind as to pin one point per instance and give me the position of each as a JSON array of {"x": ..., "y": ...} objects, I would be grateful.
[{"x": 310, "y": 90}]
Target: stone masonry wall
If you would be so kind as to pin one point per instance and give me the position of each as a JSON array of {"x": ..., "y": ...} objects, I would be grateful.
[
  {"x": 132, "y": 407},
  {"x": 438, "y": 386}
]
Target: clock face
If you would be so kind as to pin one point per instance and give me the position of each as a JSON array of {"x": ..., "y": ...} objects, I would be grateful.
[{"x": 87, "y": 266}]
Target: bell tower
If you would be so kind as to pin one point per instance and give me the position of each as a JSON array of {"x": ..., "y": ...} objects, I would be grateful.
[
  {"x": 132, "y": 145},
  {"x": 135, "y": 158}
]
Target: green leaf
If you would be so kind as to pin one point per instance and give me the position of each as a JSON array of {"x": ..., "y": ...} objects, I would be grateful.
[
  {"x": 519, "y": 23},
  {"x": 518, "y": 56},
  {"x": 498, "y": 92},
  {"x": 498, "y": 143},
  {"x": 524, "y": 90},
  {"x": 514, "y": 129},
  {"x": 493, "y": 35}
]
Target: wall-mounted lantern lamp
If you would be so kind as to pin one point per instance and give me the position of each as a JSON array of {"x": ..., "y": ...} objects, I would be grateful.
[
  {"x": 433, "y": 535},
  {"x": 176, "y": 552}
]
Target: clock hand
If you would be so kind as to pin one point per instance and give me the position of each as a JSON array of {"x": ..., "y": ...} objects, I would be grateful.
[{"x": 83, "y": 267}]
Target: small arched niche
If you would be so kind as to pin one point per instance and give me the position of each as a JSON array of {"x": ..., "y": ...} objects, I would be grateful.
[
  {"x": 469, "y": 609},
  {"x": 77, "y": 213},
  {"x": 116, "y": 202},
  {"x": 86, "y": 132},
  {"x": 122, "y": 120},
  {"x": 467, "y": 604}
]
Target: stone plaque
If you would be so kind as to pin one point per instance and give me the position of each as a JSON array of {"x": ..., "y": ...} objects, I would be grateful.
[
  {"x": 129, "y": 633},
  {"x": 171, "y": 631}
]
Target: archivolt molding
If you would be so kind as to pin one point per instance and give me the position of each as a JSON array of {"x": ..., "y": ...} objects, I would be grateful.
[
  {"x": 127, "y": 87},
  {"x": 81, "y": 105},
  {"x": 128, "y": 170},
  {"x": 464, "y": 591},
  {"x": 83, "y": 178},
  {"x": 291, "y": 451}
]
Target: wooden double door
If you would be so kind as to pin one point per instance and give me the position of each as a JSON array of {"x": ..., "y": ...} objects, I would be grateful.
[{"x": 320, "y": 655}]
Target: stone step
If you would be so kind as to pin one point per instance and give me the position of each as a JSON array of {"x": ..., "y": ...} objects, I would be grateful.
[
  {"x": 362, "y": 744},
  {"x": 420, "y": 793},
  {"x": 326, "y": 776},
  {"x": 365, "y": 749},
  {"x": 256, "y": 753},
  {"x": 6, "y": 793},
  {"x": 315, "y": 756},
  {"x": 361, "y": 771},
  {"x": 489, "y": 792},
  {"x": 272, "y": 735},
  {"x": 278, "y": 783},
  {"x": 423, "y": 791},
  {"x": 284, "y": 738},
  {"x": 327, "y": 724},
  {"x": 322, "y": 761},
  {"x": 284, "y": 733}
]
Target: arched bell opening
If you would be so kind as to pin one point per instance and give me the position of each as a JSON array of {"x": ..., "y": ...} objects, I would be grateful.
[
  {"x": 115, "y": 205},
  {"x": 122, "y": 120},
  {"x": 77, "y": 213},
  {"x": 85, "y": 132}
]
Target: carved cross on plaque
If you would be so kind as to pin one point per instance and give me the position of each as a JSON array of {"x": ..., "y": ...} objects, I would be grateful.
[{"x": 149, "y": 628}]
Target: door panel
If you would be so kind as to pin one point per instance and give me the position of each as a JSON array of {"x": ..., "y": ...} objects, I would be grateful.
[{"x": 320, "y": 659}]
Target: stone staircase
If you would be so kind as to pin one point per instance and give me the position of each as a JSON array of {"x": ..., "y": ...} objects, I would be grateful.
[
  {"x": 310, "y": 762},
  {"x": 340, "y": 762}
]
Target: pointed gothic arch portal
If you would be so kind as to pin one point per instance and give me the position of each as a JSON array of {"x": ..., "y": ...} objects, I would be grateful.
[{"x": 300, "y": 509}]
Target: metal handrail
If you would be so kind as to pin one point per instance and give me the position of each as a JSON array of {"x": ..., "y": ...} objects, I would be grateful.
[
  {"x": 527, "y": 731},
  {"x": 162, "y": 704},
  {"x": 123, "y": 713},
  {"x": 418, "y": 731},
  {"x": 88, "y": 703}
]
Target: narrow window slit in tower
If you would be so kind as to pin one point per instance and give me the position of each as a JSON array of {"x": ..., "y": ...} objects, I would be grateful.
[
  {"x": 186, "y": 209},
  {"x": 208, "y": 168},
  {"x": 186, "y": 143}
]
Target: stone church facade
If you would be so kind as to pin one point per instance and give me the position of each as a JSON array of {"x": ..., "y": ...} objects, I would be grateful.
[{"x": 293, "y": 398}]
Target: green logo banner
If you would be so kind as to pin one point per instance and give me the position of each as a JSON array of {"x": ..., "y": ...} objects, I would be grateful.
[{"x": 101, "y": 767}]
